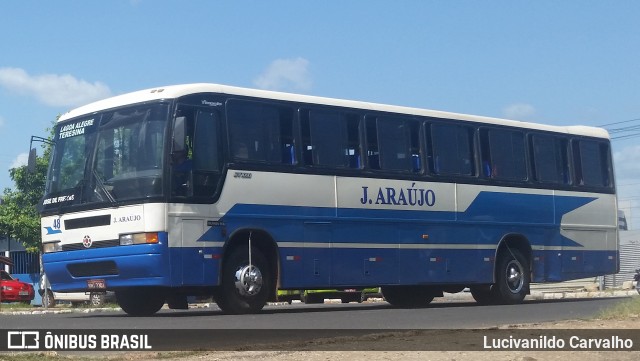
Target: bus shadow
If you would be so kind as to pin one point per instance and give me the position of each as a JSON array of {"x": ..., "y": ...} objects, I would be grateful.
[{"x": 334, "y": 307}]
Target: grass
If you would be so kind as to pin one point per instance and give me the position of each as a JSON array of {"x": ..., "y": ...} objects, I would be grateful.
[
  {"x": 624, "y": 310},
  {"x": 14, "y": 306},
  {"x": 17, "y": 306}
]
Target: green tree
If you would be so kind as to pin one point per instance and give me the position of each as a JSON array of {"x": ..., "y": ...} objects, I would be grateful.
[{"x": 19, "y": 218}]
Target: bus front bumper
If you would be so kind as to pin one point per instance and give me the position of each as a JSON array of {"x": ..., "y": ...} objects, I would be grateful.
[{"x": 108, "y": 268}]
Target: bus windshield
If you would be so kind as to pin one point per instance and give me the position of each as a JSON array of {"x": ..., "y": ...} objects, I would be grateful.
[{"x": 110, "y": 157}]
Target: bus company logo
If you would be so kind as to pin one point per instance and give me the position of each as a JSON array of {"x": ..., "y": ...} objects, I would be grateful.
[
  {"x": 86, "y": 242},
  {"x": 412, "y": 196},
  {"x": 130, "y": 218}
]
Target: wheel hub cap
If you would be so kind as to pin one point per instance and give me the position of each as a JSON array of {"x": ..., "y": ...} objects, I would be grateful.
[
  {"x": 515, "y": 280},
  {"x": 248, "y": 280}
]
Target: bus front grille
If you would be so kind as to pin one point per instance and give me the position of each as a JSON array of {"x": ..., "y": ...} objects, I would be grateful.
[
  {"x": 91, "y": 269},
  {"x": 97, "y": 244}
]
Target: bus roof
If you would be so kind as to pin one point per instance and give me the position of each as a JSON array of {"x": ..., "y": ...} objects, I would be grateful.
[{"x": 175, "y": 91}]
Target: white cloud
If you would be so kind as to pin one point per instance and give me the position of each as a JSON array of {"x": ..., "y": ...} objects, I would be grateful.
[
  {"x": 53, "y": 89},
  {"x": 519, "y": 111},
  {"x": 286, "y": 74},
  {"x": 20, "y": 160},
  {"x": 1, "y": 121}
]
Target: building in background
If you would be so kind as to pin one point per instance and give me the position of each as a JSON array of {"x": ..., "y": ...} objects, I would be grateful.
[{"x": 625, "y": 207}]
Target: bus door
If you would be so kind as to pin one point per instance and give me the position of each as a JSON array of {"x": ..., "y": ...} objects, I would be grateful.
[
  {"x": 193, "y": 262},
  {"x": 196, "y": 176}
]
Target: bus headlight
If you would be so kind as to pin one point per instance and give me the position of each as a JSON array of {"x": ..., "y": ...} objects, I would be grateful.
[
  {"x": 138, "y": 238},
  {"x": 51, "y": 247}
]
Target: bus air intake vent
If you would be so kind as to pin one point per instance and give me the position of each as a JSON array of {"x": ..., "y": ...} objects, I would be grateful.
[{"x": 91, "y": 269}]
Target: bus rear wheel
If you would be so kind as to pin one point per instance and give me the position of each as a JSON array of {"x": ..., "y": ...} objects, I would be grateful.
[
  {"x": 245, "y": 287},
  {"x": 407, "y": 296},
  {"x": 141, "y": 301},
  {"x": 512, "y": 278},
  {"x": 483, "y": 294},
  {"x": 512, "y": 281}
]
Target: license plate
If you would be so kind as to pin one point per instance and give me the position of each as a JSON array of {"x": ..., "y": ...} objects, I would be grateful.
[
  {"x": 96, "y": 284},
  {"x": 23, "y": 293}
]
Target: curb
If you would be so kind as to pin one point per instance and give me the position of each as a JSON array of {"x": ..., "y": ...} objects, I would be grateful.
[
  {"x": 550, "y": 295},
  {"x": 587, "y": 294},
  {"x": 448, "y": 297}
]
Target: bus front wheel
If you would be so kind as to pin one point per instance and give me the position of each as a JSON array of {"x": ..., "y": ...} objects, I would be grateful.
[
  {"x": 245, "y": 286},
  {"x": 141, "y": 301}
]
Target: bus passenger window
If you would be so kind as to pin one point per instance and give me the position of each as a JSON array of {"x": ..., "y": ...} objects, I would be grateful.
[
  {"x": 261, "y": 132},
  {"x": 550, "y": 163},
  {"x": 504, "y": 152},
  {"x": 240, "y": 151},
  {"x": 324, "y": 137},
  {"x": 592, "y": 163},
  {"x": 393, "y": 144},
  {"x": 451, "y": 147}
]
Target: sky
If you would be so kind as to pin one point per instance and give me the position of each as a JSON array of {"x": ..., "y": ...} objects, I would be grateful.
[{"x": 553, "y": 62}]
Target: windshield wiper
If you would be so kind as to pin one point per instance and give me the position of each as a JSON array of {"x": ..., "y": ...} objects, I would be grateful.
[{"x": 103, "y": 188}]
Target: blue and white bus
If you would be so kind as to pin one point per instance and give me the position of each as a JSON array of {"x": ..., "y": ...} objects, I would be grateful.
[{"x": 205, "y": 189}]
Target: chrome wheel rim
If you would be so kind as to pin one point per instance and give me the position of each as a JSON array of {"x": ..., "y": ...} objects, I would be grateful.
[
  {"x": 514, "y": 276},
  {"x": 248, "y": 280}
]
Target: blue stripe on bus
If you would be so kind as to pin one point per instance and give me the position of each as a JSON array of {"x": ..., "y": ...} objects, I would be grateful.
[{"x": 489, "y": 217}]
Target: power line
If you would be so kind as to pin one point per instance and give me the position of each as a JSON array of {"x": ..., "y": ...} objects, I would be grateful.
[
  {"x": 628, "y": 184},
  {"x": 622, "y": 122},
  {"x": 625, "y": 132},
  {"x": 625, "y": 129},
  {"x": 628, "y": 198},
  {"x": 634, "y": 135}
]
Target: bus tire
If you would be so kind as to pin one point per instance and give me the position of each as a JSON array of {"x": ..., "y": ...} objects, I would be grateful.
[
  {"x": 512, "y": 277},
  {"x": 244, "y": 289},
  {"x": 407, "y": 296},
  {"x": 483, "y": 295},
  {"x": 48, "y": 301},
  {"x": 309, "y": 298},
  {"x": 141, "y": 301}
]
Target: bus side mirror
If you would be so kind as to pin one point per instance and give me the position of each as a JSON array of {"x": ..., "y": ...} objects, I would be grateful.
[
  {"x": 179, "y": 131},
  {"x": 31, "y": 164}
]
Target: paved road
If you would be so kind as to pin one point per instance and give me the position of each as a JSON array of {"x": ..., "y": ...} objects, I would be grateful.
[{"x": 379, "y": 316}]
